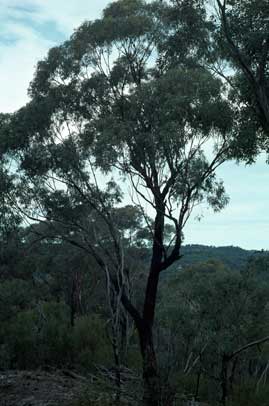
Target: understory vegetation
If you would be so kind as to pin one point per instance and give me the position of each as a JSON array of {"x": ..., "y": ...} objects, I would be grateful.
[{"x": 204, "y": 311}]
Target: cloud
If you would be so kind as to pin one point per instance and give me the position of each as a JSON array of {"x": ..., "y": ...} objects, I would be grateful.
[
  {"x": 27, "y": 30},
  {"x": 17, "y": 66},
  {"x": 66, "y": 14}
]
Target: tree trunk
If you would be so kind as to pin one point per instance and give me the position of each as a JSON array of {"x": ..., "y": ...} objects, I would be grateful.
[
  {"x": 151, "y": 379},
  {"x": 75, "y": 305},
  {"x": 72, "y": 305},
  {"x": 232, "y": 375},
  {"x": 117, "y": 370},
  {"x": 224, "y": 378},
  {"x": 197, "y": 385}
]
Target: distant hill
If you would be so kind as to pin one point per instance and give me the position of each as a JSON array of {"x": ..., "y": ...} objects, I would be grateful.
[{"x": 234, "y": 257}]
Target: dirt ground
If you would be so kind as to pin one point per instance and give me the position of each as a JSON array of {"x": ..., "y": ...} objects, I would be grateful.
[{"x": 39, "y": 388}]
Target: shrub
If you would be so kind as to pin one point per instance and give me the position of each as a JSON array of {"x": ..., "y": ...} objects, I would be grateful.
[
  {"x": 55, "y": 336},
  {"x": 91, "y": 343},
  {"x": 246, "y": 395},
  {"x": 20, "y": 341},
  {"x": 37, "y": 337}
]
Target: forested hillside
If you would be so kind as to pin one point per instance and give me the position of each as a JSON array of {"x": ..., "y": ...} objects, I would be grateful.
[
  {"x": 234, "y": 257},
  {"x": 121, "y": 140},
  {"x": 54, "y": 314}
]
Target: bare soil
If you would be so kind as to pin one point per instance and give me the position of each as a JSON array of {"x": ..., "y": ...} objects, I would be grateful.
[{"x": 40, "y": 388}]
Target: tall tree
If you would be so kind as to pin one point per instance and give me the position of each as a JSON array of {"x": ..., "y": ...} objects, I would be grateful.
[
  {"x": 242, "y": 34},
  {"x": 105, "y": 104}
]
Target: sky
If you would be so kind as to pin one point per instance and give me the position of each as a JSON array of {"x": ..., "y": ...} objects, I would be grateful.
[{"x": 28, "y": 28}]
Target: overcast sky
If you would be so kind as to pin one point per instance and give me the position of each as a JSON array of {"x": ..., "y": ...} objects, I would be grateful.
[{"x": 28, "y": 28}]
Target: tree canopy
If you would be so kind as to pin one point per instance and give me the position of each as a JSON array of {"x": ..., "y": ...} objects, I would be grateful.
[{"x": 127, "y": 122}]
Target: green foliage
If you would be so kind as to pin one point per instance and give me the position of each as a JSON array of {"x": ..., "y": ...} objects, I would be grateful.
[
  {"x": 132, "y": 94},
  {"x": 90, "y": 342},
  {"x": 233, "y": 257},
  {"x": 54, "y": 336},
  {"x": 20, "y": 348},
  {"x": 43, "y": 336},
  {"x": 241, "y": 38},
  {"x": 132, "y": 112},
  {"x": 186, "y": 385},
  {"x": 209, "y": 311},
  {"x": 15, "y": 296},
  {"x": 38, "y": 337},
  {"x": 248, "y": 395}
]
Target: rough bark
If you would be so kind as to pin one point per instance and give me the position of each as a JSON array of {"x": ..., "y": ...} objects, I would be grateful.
[
  {"x": 224, "y": 378},
  {"x": 151, "y": 379}
]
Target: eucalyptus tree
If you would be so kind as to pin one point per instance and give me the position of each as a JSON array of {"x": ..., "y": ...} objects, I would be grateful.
[
  {"x": 108, "y": 104},
  {"x": 215, "y": 315},
  {"x": 242, "y": 39},
  {"x": 234, "y": 37}
]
